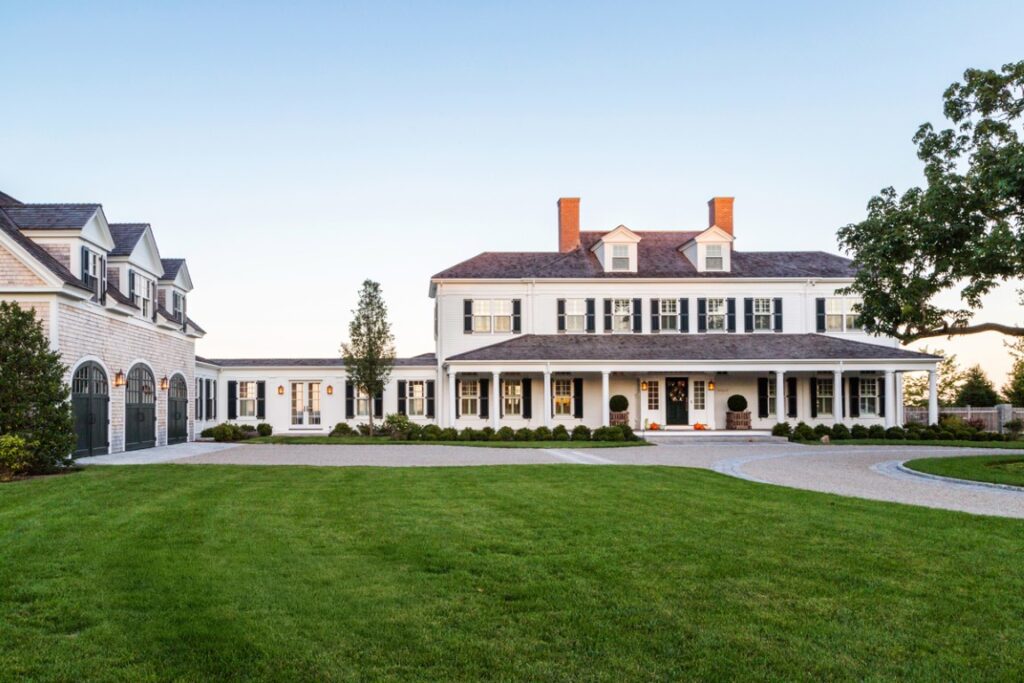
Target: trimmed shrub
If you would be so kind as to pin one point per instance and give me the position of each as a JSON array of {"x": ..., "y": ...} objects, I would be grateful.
[
  {"x": 821, "y": 430},
  {"x": 876, "y": 432},
  {"x": 467, "y": 434},
  {"x": 431, "y": 433},
  {"x": 222, "y": 433},
  {"x": 364, "y": 429},
  {"x": 449, "y": 434},
  {"x": 926, "y": 435},
  {"x": 782, "y": 429},
  {"x": 15, "y": 456},
  {"x": 489, "y": 434},
  {"x": 840, "y": 431},
  {"x": 542, "y": 434},
  {"x": 803, "y": 432},
  {"x": 897, "y": 433},
  {"x": 415, "y": 432},
  {"x": 581, "y": 433},
  {"x": 206, "y": 433},
  {"x": 506, "y": 434},
  {"x": 524, "y": 434},
  {"x": 628, "y": 434},
  {"x": 945, "y": 435},
  {"x": 618, "y": 403},
  {"x": 263, "y": 429},
  {"x": 483, "y": 435},
  {"x": 1014, "y": 428},
  {"x": 613, "y": 433},
  {"x": 248, "y": 428},
  {"x": 912, "y": 436},
  {"x": 341, "y": 429},
  {"x": 737, "y": 403},
  {"x": 858, "y": 432},
  {"x": 560, "y": 433}
]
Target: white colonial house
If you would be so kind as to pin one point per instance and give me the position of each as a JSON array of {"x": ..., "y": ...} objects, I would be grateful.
[{"x": 676, "y": 322}]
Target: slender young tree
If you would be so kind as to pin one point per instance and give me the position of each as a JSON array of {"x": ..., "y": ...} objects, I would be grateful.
[
  {"x": 33, "y": 396},
  {"x": 369, "y": 353}
]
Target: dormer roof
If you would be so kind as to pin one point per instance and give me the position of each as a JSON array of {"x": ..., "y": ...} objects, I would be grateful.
[
  {"x": 126, "y": 237},
  {"x": 51, "y": 216},
  {"x": 176, "y": 273},
  {"x": 618, "y": 235},
  {"x": 712, "y": 234}
]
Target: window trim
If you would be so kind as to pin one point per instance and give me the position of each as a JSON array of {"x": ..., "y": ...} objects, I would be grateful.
[
  {"x": 718, "y": 255},
  {"x": 622, "y": 261},
  {"x": 668, "y": 320},
  {"x": 767, "y": 316},
  {"x": 724, "y": 315},
  {"x": 572, "y": 316}
]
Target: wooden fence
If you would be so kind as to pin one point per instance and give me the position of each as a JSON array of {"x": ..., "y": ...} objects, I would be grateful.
[{"x": 992, "y": 419}]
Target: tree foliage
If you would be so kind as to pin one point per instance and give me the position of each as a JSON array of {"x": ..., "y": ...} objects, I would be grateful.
[
  {"x": 369, "y": 353},
  {"x": 977, "y": 389},
  {"x": 948, "y": 381},
  {"x": 963, "y": 231},
  {"x": 33, "y": 396},
  {"x": 1013, "y": 389}
]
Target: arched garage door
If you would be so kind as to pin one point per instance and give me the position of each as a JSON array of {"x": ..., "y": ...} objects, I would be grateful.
[
  {"x": 177, "y": 410},
  {"x": 140, "y": 410},
  {"x": 90, "y": 403}
]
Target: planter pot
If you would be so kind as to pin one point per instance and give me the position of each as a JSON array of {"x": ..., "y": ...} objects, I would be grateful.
[
  {"x": 737, "y": 420},
  {"x": 618, "y": 418}
]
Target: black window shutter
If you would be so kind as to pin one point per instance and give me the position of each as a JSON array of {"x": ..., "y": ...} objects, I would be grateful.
[
  {"x": 527, "y": 398},
  {"x": 762, "y": 397},
  {"x": 85, "y": 265},
  {"x": 607, "y": 315},
  {"x": 378, "y": 405},
  {"x": 577, "y": 397},
  {"x": 458, "y": 398},
  {"x": 103, "y": 279},
  {"x": 638, "y": 321},
  {"x": 777, "y": 313},
  {"x": 131, "y": 285},
  {"x": 814, "y": 397},
  {"x": 467, "y": 316},
  {"x": 730, "y": 315},
  {"x": 261, "y": 400},
  {"x": 232, "y": 400},
  {"x": 350, "y": 401},
  {"x": 748, "y": 315},
  {"x": 485, "y": 398},
  {"x": 211, "y": 411},
  {"x": 820, "y": 308},
  {"x": 517, "y": 316},
  {"x": 702, "y": 315},
  {"x": 655, "y": 319},
  {"x": 684, "y": 315},
  {"x": 430, "y": 397},
  {"x": 881, "y": 396},
  {"x": 791, "y": 388},
  {"x": 401, "y": 397},
  {"x": 561, "y": 315},
  {"x": 591, "y": 316},
  {"x": 854, "y": 401}
]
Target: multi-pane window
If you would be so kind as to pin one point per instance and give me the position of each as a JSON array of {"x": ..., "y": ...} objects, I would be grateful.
[
  {"x": 143, "y": 291},
  {"x": 502, "y": 312},
  {"x": 620, "y": 257},
  {"x": 362, "y": 402},
  {"x": 869, "y": 397},
  {"x": 416, "y": 398},
  {"x": 668, "y": 313},
  {"x": 305, "y": 403},
  {"x": 772, "y": 397},
  {"x": 575, "y": 315},
  {"x": 481, "y": 315},
  {"x": 313, "y": 402},
  {"x": 762, "y": 314},
  {"x": 716, "y": 314},
  {"x": 178, "y": 305},
  {"x": 699, "y": 394},
  {"x": 713, "y": 259},
  {"x": 492, "y": 315},
  {"x": 840, "y": 315},
  {"x": 622, "y": 313},
  {"x": 826, "y": 397},
  {"x": 469, "y": 397},
  {"x": 653, "y": 396},
  {"x": 563, "y": 396},
  {"x": 247, "y": 399},
  {"x": 92, "y": 271},
  {"x": 512, "y": 397}
]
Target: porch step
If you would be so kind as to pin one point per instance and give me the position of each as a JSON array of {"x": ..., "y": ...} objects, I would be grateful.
[{"x": 676, "y": 438}]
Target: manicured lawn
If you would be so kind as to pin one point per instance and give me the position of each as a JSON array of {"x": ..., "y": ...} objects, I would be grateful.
[
  {"x": 919, "y": 442},
  {"x": 997, "y": 469},
  {"x": 514, "y": 573},
  {"x": 379, "y": 440}
]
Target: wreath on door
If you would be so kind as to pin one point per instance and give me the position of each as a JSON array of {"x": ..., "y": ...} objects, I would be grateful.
[{"x": 678, "y": 392}]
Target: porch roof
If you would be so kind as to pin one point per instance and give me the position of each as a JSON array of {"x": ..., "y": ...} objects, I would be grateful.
[{"x": 685, "y": 347}]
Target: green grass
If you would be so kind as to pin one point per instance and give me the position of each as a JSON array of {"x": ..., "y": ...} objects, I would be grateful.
[
  {"x": 919, "y": 442},
  {"x": 996, "y": 469},
  {"x": 194, "y": 573},
  {"x": 383, "y": 440}
]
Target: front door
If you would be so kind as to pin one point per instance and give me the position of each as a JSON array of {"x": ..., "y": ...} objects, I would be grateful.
[
  {"x": 677, "y": 396},
  {"x": 140, "y": 410},
  {"x": 177, "y": 410},
  {"x": 90, "y": 404}
]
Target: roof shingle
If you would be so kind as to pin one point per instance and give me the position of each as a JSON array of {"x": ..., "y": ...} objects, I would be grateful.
[
  {"x": 51, "y": 216},
  {"x": 126, "y": 236},
  {"x": 422, "y": 360}
]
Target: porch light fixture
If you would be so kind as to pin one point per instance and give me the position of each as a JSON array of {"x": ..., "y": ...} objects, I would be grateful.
[
  {"x": 280, "y": 390},
  {"x": 163, "y": 383},
  {"x": 711, "y": 385},
  {"x": 119, "y": 379},
  {"x": 330, "y": 390},
  {"x": 643, "y": 386}
]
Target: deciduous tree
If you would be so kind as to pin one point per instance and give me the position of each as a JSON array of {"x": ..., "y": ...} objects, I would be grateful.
[
  {"x": 1013, "y": 390},
  {"x": 369, "y": 353}
]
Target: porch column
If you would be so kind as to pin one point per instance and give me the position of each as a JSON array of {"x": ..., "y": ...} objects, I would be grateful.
[
  {"x": 547, "y": 397},
  {"x": 837, "y": 396},
  {"x": 452, "y": 398},
  {"x": 495, "y": 397},
  {"x": 780, "y": 396},
  {"x": 900, "y": 420},
  {"x": 890, "y": 398},
  {"x": 605, "y": 418},
  {"x": 933, "y": 397}
]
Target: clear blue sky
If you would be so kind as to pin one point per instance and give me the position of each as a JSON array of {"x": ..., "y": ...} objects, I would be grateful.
[{"x": 289, "y": 151}]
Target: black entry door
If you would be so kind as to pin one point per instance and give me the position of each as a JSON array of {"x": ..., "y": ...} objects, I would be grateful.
[
  {"x": 677, "y": 390},
  {"x": 140, "y": 410},
  {"x": 90, "y": 405},
  {"x": 177, "y": 410}
]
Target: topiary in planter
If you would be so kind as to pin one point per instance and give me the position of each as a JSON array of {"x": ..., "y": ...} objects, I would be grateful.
[
  {"x": 618, "y": 403},
  {"x": 737, "y": 403}
]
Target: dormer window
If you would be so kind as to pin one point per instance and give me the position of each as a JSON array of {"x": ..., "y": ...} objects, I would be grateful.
[
  {"x": 141, "y": 291},
  {"x": 713, "y": 259},
  {"x": 94, "y": 273},
  {"x": 620, "y": 257},
  {"x": 178, "y": 308}
]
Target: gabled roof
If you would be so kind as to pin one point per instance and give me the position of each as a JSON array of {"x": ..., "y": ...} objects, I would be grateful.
[
  {"x": 9, "y": 228},
  {"x": 126, "y": 236},
  {"x": 171, "y": 267},
  {"x": 115, "y": 294},
  {"x": 685, "y": 347},
  {"x": 8, "y": 200},
  {"x": 658, "y": 256},
  {"x": 51, "y": 216}
]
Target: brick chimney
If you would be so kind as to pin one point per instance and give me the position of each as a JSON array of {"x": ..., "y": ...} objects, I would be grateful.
[
  {"x": 568, "y": 223},
  {"x": 720, "y": 213}
]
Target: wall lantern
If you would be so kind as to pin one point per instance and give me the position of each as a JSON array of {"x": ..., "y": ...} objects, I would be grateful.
[
  {"x": 163, "y": 383},
  {"x": 711, "y": 385},
  {"x": 280, "y": 390},
  {"x": 643, "y": 386},
  {"x": 119, "y": 379},
  {"x": 330, "y": 390}
]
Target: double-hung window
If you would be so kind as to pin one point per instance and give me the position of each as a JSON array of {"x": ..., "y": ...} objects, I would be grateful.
[
  {"x": 716, "y": 314},
  {"x": 868, "y": 397},
  {"x": 620, "y": 257},
  {"x": 501, "y": 310},
  {"x": 575, "y": 315},
  {"x": 826, "y": 397},
  {"x": 247, "y": 399},
  {"x": 622, "y": 315},
  {"x": 668, "y": 312},
  {"x": 512, "y": 397},
  {"x": 840, "y": 315},
  {"x": 481, "y": 315},
  {"x": 416, "y": 398},
  {"x": 92, "y": 271},
  {"x": 492, "y": 315},
  {"x": 713, "y": 259},
  {"x": 563, "y": 396},
  {"x": 362, "y": 402},
  {"x": 469, "y": 397},
  {"x": 762, "y": 314}
]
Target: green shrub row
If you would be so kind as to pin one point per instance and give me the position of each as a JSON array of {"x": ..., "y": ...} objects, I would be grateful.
[
  {"x": 948, "y": 430},
  {"x": 231, "y": 432},
  {"x": 401, "y": 428}
]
